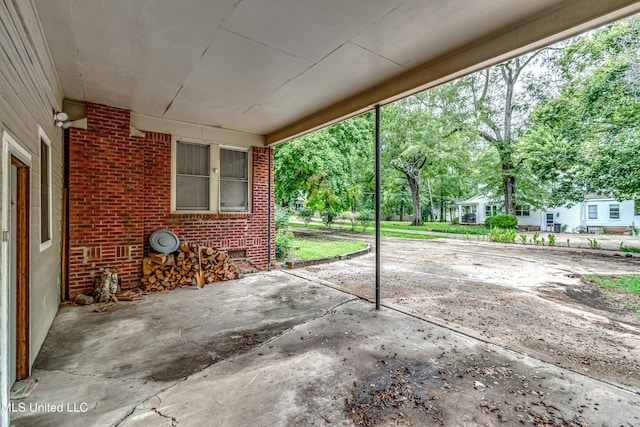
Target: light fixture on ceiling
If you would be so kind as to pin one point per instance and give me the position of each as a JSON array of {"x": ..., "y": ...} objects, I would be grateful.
[{"x": 61, "y": 119}]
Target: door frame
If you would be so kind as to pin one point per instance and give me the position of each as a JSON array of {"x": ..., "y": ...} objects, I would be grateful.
[{"x": 14, "y": 153}]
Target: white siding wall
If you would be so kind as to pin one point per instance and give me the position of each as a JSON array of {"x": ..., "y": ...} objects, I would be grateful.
[
  {"x": 30, "y": 94},
  {"x": 534, "y": 218},
  {"x": 626, "y": 213},
  {"x": 575, "y": 216},
  {"x": 568, "y": 216}
]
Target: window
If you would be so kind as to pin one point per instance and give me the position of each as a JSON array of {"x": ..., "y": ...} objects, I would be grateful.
[
  {"x": 45, "y": 191},
  {"x": 234, "y": 180},
  {"x": 593, "y": 211},
  {"x": 193, "y": 179},
  {"x": 550, "y": 218},
  {"x": 522, "y": 210},
  {"x": 209, "y": 178},
  {"x": 490, "y": 210},
  {"x": 636, "y": 207},
  {"x": 614, "y": 211}
]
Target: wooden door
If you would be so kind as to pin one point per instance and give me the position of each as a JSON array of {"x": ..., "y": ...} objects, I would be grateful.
[{"x": 19, "y": 271}]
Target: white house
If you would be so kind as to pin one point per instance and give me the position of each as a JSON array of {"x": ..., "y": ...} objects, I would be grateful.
[{"x": 595, "y": 214}]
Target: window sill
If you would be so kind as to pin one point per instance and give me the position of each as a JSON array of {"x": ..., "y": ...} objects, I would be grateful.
[{"x": 210, "y": 216}]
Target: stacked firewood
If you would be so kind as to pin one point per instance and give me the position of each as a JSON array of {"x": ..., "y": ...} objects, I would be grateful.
[{"x": 189, "y": 265}]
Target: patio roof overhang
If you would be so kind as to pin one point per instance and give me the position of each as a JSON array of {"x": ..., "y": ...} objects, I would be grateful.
[{"x": 276, "y": 69}]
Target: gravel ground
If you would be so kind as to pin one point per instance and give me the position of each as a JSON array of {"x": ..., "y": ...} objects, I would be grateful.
[{"x": 528, "y": 299}]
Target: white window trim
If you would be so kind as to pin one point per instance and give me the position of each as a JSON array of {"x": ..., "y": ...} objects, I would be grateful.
[
  {"x": 48, "y": 243},
  {"x": 214, "y": 181},
  {"x": 615, "y": 219},
  {"x": 249, "y": 179},
  {"x": 589, "y": 212}
]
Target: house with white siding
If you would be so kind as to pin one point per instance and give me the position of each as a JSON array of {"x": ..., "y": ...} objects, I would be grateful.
[{"x": 595, "y": 214}]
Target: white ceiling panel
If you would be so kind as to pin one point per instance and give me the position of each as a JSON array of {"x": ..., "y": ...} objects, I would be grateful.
[
  {"x": 237, "y": 72},
  {"x": 282, "y": 67},
  {"x": 343, "y": 73},
  {"x": 317, "y": 27},
  {"x": 194, "y": 112},
  {"x": 419, "y": 31},
  {"x": 73, "y": 84}
]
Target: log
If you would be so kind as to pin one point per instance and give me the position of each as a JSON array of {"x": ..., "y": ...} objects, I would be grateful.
[
  {"x": 190, "y": 265},
  {"x": 83, "y": 299}
]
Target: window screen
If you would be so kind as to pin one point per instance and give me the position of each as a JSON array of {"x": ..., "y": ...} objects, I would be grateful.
[
  {"x": 614, "y": 211},
  {"x": 234, "y": 180},
  {"x": 593, "y": 212},
  {"x": 192, "y": 176}
]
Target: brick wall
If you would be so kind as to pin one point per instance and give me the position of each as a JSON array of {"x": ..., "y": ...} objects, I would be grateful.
[{"x": 120, "y": 193}]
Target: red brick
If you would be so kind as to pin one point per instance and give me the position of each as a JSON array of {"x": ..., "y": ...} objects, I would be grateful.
[{"x": 120, "y": 191}]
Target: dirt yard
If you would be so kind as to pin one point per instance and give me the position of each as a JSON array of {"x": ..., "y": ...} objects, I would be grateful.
[{"x": 528, "y": 299}]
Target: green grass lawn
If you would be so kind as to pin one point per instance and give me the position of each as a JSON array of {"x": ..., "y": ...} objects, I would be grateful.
[
  {"x": 442, "y": 227},
  {"x": 320, "y": 248},
  {"x": 627, "y": 283},
  {"x": 370, "y": 230}
]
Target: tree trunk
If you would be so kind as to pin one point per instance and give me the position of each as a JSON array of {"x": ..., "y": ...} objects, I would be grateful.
[
  {"x": 415, "y": 195},
  {"x": 442, "y": 214},
  {"x": 433, "y": 210},
  {"x": 509, "y": 187}
]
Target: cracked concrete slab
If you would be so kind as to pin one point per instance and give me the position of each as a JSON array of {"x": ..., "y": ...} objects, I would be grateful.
[
  {"x": 309, "y": 375},
  {"x": 274, "y": 349}
]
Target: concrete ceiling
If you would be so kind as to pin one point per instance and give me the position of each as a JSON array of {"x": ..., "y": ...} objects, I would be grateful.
[{"x": 280, "y": 68}]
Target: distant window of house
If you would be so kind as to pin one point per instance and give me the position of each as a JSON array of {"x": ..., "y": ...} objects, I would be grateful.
[
  {"x": 614, "y": 211},
  {"x": 550, "y": 218},
  {"x": 193, "y": 176},
  {"x": 593, "y": 211},
  {"x": 45, "y": 191},
  {"x": 234, "y": 180},
  {"x": 522, "y": 210},
  {"x": 491, "y": 210},
  {"x": 636, "y": 208}
]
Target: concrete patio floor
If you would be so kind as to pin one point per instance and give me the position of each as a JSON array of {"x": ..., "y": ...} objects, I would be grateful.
[{"x": 275, "y": 349}]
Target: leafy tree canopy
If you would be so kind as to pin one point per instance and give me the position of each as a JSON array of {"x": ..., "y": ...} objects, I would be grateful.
[{"x": 586, "y": 139}]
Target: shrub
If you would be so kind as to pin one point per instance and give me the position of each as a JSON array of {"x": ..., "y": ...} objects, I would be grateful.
[
  {"x": 284, "y": 242},
  {"x": 552, "y": 239},
  {"x": 455, "y": 221},
  {"x": 350, "y": 217},
  {"x": 501, "y": 221},
  {"x": 281, "y": 217},
  {"x": 328, "y": 216},
  {"x": 593, "y": 243},
  {"x": 305, "y": 215},
  {"x": 502, "y": 236},
  {"x": 365, "y": 218},
  {"x": 509, "y": 236},
  {"x": 494, "y": 234},
  {"x": 536, "y": 238}
]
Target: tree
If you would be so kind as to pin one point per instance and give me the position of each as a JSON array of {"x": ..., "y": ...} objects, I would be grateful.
[
  {"x": 500, "y": 108},
  {"x": 403, "y": 140},
  {"x": 586, "y": 139},
  {"x": 327, "y": 166},
  {"x": 424, "y": 137}
]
